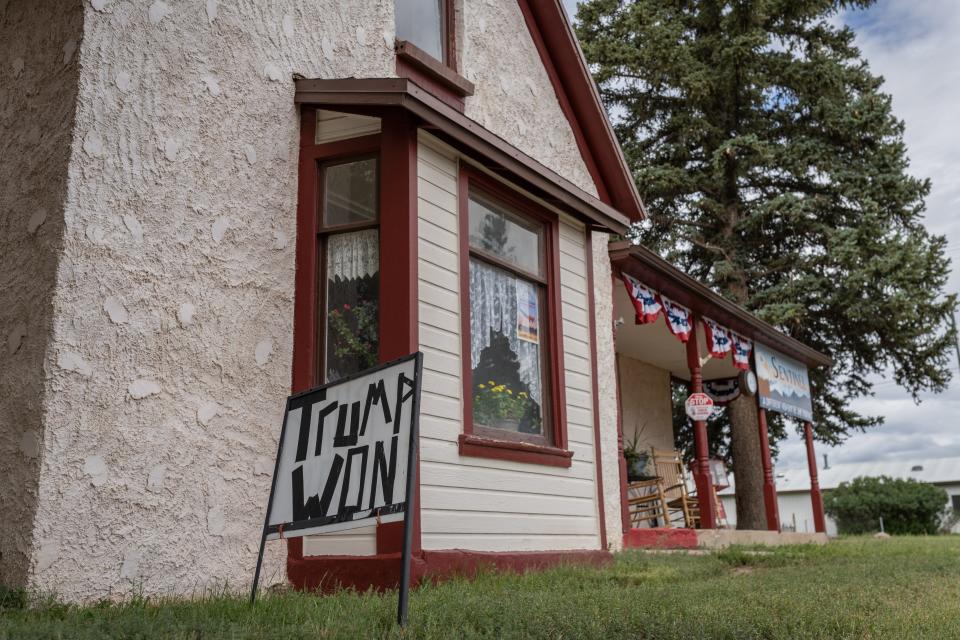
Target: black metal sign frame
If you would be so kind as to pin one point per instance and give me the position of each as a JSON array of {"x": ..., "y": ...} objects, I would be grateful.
[{"x": 408, "y": 507}]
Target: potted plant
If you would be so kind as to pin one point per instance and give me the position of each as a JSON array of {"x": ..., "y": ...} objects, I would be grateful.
[
  {"x": 637, "y": 458},
  {"x": 496, "y": 405}
]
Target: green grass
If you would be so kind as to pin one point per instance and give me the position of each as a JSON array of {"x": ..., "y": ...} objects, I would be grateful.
[{"x": 851, "y": 588}]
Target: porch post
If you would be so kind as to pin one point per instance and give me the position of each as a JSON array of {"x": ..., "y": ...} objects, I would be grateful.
[
  {"x": 769, "y": 488},
  {"x": 624, "y": 499},
  {"x": 701, "y": 471},
  {"x": 819, "y": 523}
]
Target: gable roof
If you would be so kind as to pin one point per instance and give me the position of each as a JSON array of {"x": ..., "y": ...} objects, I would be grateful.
[{"x": 567, "y": 68}]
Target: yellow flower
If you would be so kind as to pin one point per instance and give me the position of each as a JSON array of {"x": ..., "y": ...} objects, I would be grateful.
[
  {"x": 483, "y": 386},
  {"x": 491, "y": 382},
  {"x": 510, "y": 392},
  {"x": 522, "y": 394}
]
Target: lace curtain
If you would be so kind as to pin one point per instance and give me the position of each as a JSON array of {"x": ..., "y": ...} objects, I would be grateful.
[
  {"x": 493, "y": 305},
  {"x": 353, "y": 255}
]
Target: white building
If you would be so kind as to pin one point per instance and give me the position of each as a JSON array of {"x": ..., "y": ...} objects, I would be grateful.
[{"x": 793, "y": 487}]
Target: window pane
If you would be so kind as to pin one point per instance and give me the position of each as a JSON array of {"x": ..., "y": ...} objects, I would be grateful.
[
  {"x": 353, "y": 286},
  {"x": 421, "y": 22},
  {"x": 350, "y": 192},
  {"x": 504, "y": 235},
  {"x": 505, "y": 351}
]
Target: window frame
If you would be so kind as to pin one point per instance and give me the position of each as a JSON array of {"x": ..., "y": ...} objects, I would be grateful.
[
  {"x": 486, "y": 442},
  {"x": 440, "y": 77},
  {"x": 323, "y": 233},
  {"x": 448, "y": 35}
]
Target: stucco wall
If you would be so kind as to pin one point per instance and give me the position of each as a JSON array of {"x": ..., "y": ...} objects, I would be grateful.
[
  {"x": 171, "y": 333},
  {"x": 645, "y": 402},
  {"x": 607, "y": 382},
  {"x": 173, "y": 311},
  {"x": 514, "y": 97},
  {"x": 38, "y": 86}
]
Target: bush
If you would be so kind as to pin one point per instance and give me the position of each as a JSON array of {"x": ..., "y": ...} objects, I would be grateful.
[{"x": 906, "y": 506}]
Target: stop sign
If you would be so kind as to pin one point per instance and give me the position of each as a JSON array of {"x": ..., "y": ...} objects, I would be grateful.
[{"x": 699, "y": 406}]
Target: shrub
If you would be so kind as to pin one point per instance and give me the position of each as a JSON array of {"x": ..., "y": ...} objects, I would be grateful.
[{"x": 906, "y": 506}]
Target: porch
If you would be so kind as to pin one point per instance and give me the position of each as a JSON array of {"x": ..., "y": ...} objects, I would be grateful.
[{"x": 706, "y": 346}]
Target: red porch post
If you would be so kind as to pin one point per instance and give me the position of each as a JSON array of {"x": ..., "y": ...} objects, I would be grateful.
[
  {"x": 819, "y": 523},
  {"x": 769, "y": 488},
  {"x": 701, "y": 472}
]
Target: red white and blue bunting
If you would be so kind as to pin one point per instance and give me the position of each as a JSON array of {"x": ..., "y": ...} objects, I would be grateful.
[
  {"x": 741, "y": 351},
  {"x": 679, "y": 318},
  {"x": 722, "y": 391},
  {"x": 719, "y": 343},
  {"x": 645, "y": 300},
  {"x": 648, "y": 304}
]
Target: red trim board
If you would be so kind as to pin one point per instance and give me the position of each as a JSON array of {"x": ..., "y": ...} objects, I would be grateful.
[{"x": 381, "y": 572}]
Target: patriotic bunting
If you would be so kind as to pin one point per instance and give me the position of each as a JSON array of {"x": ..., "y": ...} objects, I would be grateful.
[
  {"x": 722, "y": 391},
  {"x": 644, "y": 300},
  {"x": 718, "y": 338},
  {"x": 679, "y": 319},
  {"x": 741, "y": 351}
]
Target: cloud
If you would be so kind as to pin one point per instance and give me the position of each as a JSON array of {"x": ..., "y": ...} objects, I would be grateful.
[{"x": 913, "y": 46}]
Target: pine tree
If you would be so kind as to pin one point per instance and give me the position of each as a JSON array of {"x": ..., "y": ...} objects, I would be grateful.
[{"x": 774, "y": 170}]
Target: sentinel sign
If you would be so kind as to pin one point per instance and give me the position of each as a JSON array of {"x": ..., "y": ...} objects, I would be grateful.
[
  {"x": 346, "y": 458},
  {"x": 344, "y": 453},
  {"x": 783, "y": 384}
]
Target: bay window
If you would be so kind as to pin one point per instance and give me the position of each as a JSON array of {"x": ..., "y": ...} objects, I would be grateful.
[
  {"x": 511, "y": 368},
  {"x": 349, "y": 246}
]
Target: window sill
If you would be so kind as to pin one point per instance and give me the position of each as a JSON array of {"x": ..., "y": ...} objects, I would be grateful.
[
  {"x": 481, "y": 447},
  {"x": 412, "y": 58}
]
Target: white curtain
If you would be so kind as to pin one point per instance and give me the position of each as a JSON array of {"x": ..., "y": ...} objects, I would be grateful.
[
  {"x": 353, "y": 255},
  {"x": 493, "y": 305}
]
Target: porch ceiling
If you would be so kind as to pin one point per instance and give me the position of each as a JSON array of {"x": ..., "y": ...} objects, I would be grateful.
[{"x": 654, "y": 344}]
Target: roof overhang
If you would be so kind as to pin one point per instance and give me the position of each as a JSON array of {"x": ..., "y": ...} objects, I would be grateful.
[
  {"x": 467, "y": 135},
  {"x": 656, "y": 272}
]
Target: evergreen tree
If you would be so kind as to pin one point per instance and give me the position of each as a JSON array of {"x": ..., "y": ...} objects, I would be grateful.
[{"x": 774, "y": 170}]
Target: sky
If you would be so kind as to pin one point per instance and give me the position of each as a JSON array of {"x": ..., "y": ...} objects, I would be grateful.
[{"x": 913, "y": 46}]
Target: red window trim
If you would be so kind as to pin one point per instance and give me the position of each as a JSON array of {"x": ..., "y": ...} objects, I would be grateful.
[
  {"x": 479, "y": 443},
  {"x": 439, "y": 77},
  {"x": 396, "y": 145}
]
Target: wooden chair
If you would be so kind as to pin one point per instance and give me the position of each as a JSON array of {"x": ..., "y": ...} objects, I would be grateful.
[
  {"x": 682, "y": 504},
  {"x": 647, "y": 503}
]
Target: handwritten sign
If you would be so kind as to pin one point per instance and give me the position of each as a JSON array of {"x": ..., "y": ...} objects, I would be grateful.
[{"x": 344, "y": 453}]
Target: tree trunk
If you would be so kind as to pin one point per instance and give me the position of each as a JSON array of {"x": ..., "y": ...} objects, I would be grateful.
[{"x": 747, "y": 463}]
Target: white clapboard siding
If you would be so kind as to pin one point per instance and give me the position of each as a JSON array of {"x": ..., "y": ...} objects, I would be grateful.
[
  {"x": 333, "y": 126},
  {"x": 352, "y": 542},
  {"x": 478, "y": 503}
]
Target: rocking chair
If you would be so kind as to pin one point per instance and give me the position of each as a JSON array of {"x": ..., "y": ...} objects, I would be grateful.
[
  {"x": 647, "y": 503},
  {"x": 681, "y": 504}
]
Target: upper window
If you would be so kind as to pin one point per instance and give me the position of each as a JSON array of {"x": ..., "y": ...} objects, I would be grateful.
[
  {"x": 510, "y": 388},
  {"x": 349, "y": 245},
  {"x": 423, "y": 23}
]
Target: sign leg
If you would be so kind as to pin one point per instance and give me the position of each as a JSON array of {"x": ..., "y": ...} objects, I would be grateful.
[
  {"x": 404, "y": 596},
  {"x": 256, "y": 573}
]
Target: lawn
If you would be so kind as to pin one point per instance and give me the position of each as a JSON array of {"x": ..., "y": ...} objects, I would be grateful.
[{"x": 851, "y": 588}]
